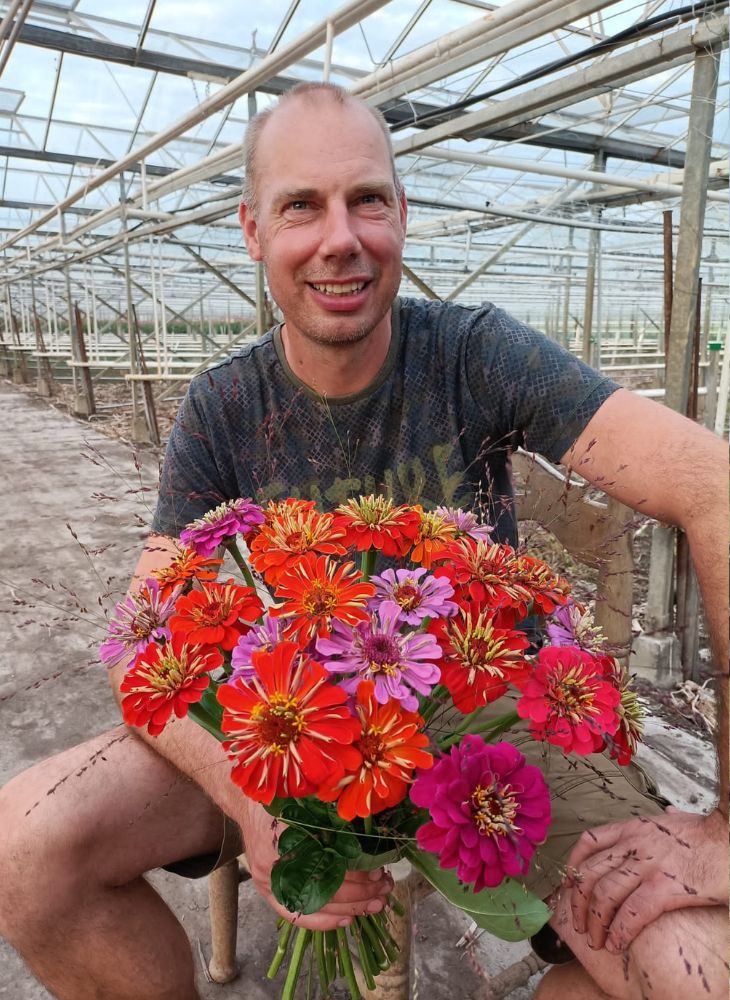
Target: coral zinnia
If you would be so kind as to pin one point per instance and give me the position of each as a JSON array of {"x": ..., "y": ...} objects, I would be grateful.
[
  {"x": 434, "y": 533},
  {"x": 623, "y": 742},
  {"x": 291, "y": 729},
  {"x": 224, "y": 521},
  {"x": 375, "y": 522},
  {"x": 415, "y": 594},
  {"x": 391, "y": 745},
  {"x": 217, "y": 614},
  {"x": 184, "y": 567},
  {"x": 166, "y": 679},
  {"x": 398, "y": 664},
  {"x": 489, "y": 810},
  {"x": 315, "y": 591},
  {"x": 140, "y": 619},
  {"x": 290, "y": 534},
  {"x": 481, "y": 656},
  {"x": 568, "y": 700}
]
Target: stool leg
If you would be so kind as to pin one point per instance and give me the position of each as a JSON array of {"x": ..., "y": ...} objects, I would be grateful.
[{"x": 223, "y": 897}]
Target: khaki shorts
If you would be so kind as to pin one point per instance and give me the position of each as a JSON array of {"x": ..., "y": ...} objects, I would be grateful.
[{"x": 585, "y": 792}]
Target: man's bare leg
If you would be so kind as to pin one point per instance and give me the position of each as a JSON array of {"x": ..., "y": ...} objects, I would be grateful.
[
  {"x": 571, "y": 982},
  {"x": 681, "y": 954},
  {"x": 78, "y": 831}
]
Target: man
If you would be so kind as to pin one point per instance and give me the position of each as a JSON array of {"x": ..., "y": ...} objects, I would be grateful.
[{"x": 334, "y": 402}]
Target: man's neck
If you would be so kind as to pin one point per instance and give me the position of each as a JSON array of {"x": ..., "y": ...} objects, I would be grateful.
[{"x": 337, "y": 369}]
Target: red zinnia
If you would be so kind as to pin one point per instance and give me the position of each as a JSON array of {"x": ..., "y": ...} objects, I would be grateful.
[
  {"x": 184, "y": 567},
  {"x": 294, "y": 530},
  {"x": 291, "y": 728},
  {"x": 485, "y": 572},
  {"x": 547, "y": 589},
  {"x": 480, "y": 657},
  {"x": 217, "y": 614},
  {"x": 166, "y": 679},
  {"x": 315, "y": 591},
  {"x": 375, "y": 522},
  {"x": 391, "y": 747},
  {"x": 569, "y": 702}
]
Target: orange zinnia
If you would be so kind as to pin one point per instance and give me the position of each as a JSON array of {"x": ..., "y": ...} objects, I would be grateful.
[
  {"x": 434, "y": 534},
  {"x": 184, "y": 567},
  {"x": 486, "y": 573},
  {"x": 547, "y": 589},
  {"x": 216, "y": 615},
  {"x": 375, "y": 522},
  {"x": 290, "y": 533},
  {"x": 391, "y": 746},
  {"x": 315, "y": 591},
  {"x": 291, "y": 727}
]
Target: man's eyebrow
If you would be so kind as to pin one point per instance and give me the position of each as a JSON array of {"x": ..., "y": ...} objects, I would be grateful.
[{"x": 296, "y": 194}]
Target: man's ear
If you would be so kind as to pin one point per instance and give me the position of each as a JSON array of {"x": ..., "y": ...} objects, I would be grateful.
[{"x": 250, "y": 232}]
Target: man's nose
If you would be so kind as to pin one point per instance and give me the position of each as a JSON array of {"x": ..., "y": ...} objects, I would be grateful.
[{"x": 339, "y": 233}]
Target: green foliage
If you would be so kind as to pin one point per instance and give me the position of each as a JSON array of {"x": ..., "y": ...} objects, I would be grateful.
[{"x": 508, "y": 912}]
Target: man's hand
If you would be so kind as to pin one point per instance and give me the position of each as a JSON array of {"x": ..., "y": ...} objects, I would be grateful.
[
  {"x": 361, "y": 892},
  {"x": 625, "y": 875}
]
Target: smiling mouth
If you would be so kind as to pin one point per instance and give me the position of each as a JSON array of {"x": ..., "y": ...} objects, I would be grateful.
[{"x": 346, "y": 288}]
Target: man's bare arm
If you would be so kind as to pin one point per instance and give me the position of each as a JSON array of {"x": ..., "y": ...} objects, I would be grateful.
[{"x": 665, "y": 466}]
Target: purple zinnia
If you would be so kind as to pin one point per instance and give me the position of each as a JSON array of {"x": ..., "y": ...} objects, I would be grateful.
[
  {"x": 140, "y": 619},
  {"x": 261, "y": 639},
  {"x": 573, "y": 625},
  {"x": 489, "y": 810},
  {"x": 225, "y": 521},
  {"x": 465, "y": 523},
  {"x": 376, "y": 651},
  {"x": 415, "y": 594}
]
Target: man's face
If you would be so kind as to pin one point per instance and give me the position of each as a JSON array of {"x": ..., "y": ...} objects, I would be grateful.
[{"x": 329, "y": 227}]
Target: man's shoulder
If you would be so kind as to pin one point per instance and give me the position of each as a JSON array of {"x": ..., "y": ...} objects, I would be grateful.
[{"x": 247, "y": 362}]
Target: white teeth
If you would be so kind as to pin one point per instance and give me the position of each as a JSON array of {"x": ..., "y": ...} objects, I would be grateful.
[{"x": 346, "y": 289}]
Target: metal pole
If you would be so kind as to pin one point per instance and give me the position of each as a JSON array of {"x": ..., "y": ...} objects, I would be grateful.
[{"x": 668, "y": 279}]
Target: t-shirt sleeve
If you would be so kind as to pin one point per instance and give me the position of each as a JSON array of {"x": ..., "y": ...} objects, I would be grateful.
[
  {"x": 539, "y": 395},
  {"x": 190, "y": 482}
]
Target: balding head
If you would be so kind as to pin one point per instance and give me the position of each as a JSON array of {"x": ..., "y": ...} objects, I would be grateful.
[{"x": 311, "y": 93}]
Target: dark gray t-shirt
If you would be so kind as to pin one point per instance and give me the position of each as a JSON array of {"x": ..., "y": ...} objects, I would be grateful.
[{"x": 459, "y": 390}]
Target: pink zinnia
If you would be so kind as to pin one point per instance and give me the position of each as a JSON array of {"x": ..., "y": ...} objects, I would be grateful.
[
  {"x": 568, "y": 700},
  {"x": 139, "y": 620},
  {"x": 376, "y": 651},
  {"x": 415, "y": 593},
  {"x": 465, "y": 523},
  {"x": 573, "y": 625},
  {"x": 489, "y": 810},
  {"x": 262, "y": 638},
  {"x": 225, "y": 521}
]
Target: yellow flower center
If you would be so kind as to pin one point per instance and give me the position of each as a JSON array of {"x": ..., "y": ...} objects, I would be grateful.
[
  {"x": 494, "y": 810},
  {"x": 280, "y": 722}
]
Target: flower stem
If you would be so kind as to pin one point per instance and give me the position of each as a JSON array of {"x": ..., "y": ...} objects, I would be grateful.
[
  {"x": 367, "y": 563},
  {"x": 318, "y": 941},
  {"x": 330, "y": 955},
  {"x": 369, "y": 931},
  {"x": 301, "y": 944},
  {"x": 343, "y": 951},
  {"x": 233, "y": 548},
  {"x": 494, "y": 727},
  {"x": 367, "y": 961},
  {"x": 281, "y": 949}
]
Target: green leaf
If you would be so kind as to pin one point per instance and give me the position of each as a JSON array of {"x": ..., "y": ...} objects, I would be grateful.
[
  {"x": 508, "y": 912},
  {"x": 292, "y": 839},
  {"x": 305, "y": 879}
]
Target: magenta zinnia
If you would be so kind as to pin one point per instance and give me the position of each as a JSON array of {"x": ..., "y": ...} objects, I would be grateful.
[
  {"x": 489, "y": 810},
  {"x": 225, "y": 521},
  {"x": 139, "y": 620},
  {"x": 398, "y": 664},
  {"x": 568, "y": 701}
]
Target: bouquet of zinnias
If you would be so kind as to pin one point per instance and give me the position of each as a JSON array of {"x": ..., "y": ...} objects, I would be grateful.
[{"x": 360, "y": 708}]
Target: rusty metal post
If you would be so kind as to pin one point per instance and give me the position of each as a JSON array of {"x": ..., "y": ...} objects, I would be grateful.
[{"x": 84, "y": 404}]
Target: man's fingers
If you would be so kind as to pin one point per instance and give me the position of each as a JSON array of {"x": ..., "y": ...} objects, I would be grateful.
[
  {"x": 594, "y": 841},
  {"x": 608, "y": 896}
]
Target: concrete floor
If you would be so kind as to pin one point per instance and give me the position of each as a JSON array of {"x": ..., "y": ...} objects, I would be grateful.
[{"x": 74, "y": 507}]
